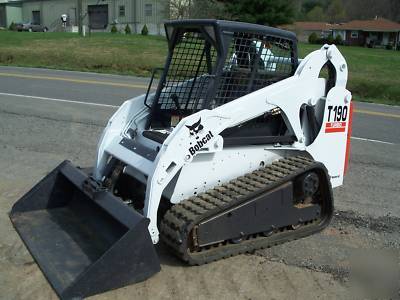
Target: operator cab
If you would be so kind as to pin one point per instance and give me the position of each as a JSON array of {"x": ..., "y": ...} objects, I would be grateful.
[{"x": 212, "y": 62}]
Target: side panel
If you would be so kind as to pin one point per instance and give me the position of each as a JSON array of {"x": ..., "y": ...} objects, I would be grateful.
[
  {"x": 330, "y": 145},
  {"x": 208, "y": 170}
]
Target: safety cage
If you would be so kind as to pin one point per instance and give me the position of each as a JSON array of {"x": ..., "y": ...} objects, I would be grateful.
[{"x": 212, "y": 62}]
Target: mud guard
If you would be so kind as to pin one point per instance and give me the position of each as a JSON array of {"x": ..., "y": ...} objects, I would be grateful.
[{"x": 84, "y": 239}]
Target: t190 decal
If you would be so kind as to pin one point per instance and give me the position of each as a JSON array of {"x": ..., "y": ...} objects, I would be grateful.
[
  {"x": 337, "y": 117},
  {"x": 337, "y": 113}
]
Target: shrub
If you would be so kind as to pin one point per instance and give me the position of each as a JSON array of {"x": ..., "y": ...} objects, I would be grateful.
[
  {"x": 313, "y": 38},
  {"x": 339, "y": 40},
  {"x": 330, "y": 40},
  {"x": 12, "y": 26},
  {"x": 389, "y": 47},
  {"x": 145, "y": 31},
  {"x": 114, "y": 29},
  {"x": 128, "y": 29}
]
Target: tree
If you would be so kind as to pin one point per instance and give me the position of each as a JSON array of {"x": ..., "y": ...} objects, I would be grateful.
[
  {"x": 12, "y": 27},
  {"x": 338, "y": 40},
  {"x": 336, "y": 11},
  {"x": 313, "y": 38},
  {"x": 145, "y": 30},
  {"x": 179, "y": 9},
  {"x": 395, "y": 10},
  {"x": 114, "y": 29},
  {"x": 128, "y": 29},
  {"x": 310, "y": 9},
  {"x": 268, "y": 12},
  {"x": 206, "y": 9},
  {"x": 316, "y": 14}
]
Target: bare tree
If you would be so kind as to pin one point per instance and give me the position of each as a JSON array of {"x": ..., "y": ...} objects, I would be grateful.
[
  {"x": 179, "y": 9},
  {"x": 207, "y": 9}
]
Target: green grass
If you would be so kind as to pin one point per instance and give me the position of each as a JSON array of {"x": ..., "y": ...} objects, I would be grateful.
[
  {"x": 374, "y": 73},
  {"x": 102, "y": 52}
]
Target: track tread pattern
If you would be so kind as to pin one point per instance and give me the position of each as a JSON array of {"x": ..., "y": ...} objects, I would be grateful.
[{"x": 181, "y": 219}]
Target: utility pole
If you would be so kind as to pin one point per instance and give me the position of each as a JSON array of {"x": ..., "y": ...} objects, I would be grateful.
[{"x": 80, "y": 21}]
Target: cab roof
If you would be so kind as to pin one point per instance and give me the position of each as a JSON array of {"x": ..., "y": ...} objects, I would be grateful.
[{"x": 224, "y": 26}]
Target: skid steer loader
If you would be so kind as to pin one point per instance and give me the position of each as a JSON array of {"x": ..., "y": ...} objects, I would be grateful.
[{"x": 237, "y": 149}]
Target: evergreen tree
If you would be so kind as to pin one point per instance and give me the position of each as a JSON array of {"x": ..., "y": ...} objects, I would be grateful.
[{"x": 267, "y": 12}]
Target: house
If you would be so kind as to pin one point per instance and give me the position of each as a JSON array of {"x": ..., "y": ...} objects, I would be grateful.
[
  {"x": 97, "y": 15},
  {"x": 304, "y": 29},
  {"x": 378, "y": 32}
]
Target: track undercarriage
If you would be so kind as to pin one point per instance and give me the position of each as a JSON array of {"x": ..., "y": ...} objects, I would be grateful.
[{"x": 287, "y": 200}]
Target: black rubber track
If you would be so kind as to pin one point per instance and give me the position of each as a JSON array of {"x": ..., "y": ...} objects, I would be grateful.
[{"x": 178, "y": 222}]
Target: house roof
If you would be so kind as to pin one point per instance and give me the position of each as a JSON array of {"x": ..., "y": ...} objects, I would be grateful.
[
  {"x": 309, "y": 26},
  {"x": 378, "y": 24}
]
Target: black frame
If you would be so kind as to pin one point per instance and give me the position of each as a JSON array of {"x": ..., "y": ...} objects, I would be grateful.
[{"x": 220, "y": 35}]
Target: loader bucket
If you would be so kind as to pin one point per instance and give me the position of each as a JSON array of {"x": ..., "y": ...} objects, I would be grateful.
[{"x": 85, "y": 240}]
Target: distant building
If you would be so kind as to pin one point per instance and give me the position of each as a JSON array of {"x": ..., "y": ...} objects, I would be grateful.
[
  {"x": 378, "y": 32},
  {"x": 98, "y": 15},
  {"x": 372, "y": 33},
  {"x": 10, "y": 11},
  {"x": 304, "y": 29}
]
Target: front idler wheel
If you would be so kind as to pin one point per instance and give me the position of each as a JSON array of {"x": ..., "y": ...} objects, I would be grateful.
[
  {"x": 306, "y": 187},
  {"x": 310, "y": 184}
]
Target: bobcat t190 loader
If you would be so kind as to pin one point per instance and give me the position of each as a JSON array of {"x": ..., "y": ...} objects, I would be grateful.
[{"x": 237, "y": 149}]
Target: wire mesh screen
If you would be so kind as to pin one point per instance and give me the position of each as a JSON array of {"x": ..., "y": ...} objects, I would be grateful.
[
  {"x": 254, "y": 61},
  {"x": 193, "y": 61}
]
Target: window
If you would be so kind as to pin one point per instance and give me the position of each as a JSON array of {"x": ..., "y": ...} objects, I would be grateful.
[
  {"x": 36, "y": 17},
  {"x": 122, "y": 10},
  {"x": 148, "y": 10},
  {"x": 354, "y": 34}
]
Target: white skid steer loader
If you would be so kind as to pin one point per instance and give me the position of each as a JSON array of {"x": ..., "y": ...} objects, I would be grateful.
[{"x": 237, "y": 149}]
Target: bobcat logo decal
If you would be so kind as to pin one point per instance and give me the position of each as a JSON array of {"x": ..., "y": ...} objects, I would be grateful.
[{"x": 195, "y": 128}]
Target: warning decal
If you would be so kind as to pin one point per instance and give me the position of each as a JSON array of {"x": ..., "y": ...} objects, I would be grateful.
[{"x": 335, "y": 127}]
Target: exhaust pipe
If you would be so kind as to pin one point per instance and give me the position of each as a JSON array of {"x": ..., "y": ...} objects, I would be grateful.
[{"x": 84, "y": 239}]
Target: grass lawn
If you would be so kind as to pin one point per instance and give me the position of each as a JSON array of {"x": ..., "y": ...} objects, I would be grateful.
[
  {"x": 102, "y": 52},
  {"x": 374, "y": 73}
]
